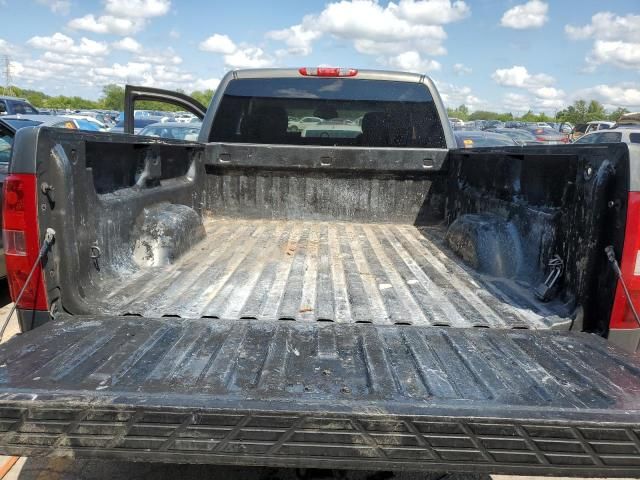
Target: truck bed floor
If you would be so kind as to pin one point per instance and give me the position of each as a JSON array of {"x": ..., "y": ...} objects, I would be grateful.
[{"x": 326, "y": 271}]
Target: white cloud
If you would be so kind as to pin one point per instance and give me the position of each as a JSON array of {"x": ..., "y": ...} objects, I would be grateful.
[
  {"x": 616, "y": 40},
  {"x": 107, "y": 24},
  {"x": 170, "y": 75},
  {"x": 411, "y": 61},
  {"x": 542, "y": 95},
  {"x": 5, "y": 47},
  {"x": 548, "y": 93},
  {"x": 516, "y": 102},
  {"x": 428, "y": 46},
  {"x": 376, "y": 29},
  {"x": 217, "y": 43},
  {"x": 206, "y": 84},
  {"x": 454, "y": 96},
  {"x": 175, "y": 34},
  {"x": 122, "y": 17},
  {"x": 249, "y": 57},
  {"x": 520, "y": 103},
  {"x": 607, "y": 26},
  {"x": 613, "y": 96},
  {"x": 143, "y": 73},
  {"x": 618, "y": 53},
  {"x": 127, "y": 44},
  {"x": 57, "y": 6},
  {"x": 297, "y": 38},
  {"x": 368, "y": 20},
  {"x": 433, "y": 12},
  {"x": 518, "y": 76},
  {"x": 129, "y": 71},
  {"x": 49, "y": 69},
  {"x": 61, "y": 43},
  {"x": 137, "y": 8},
  {"x": 83, "y": 60},
  {"x": 532, "y": 14},
  {"x": 164, "y": 57},
  {"x": 461, "y": 69},
  {"x": 236, "y": 56}
]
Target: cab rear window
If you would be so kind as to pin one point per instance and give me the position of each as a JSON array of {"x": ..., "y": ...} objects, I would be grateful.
[
  {"x": 634, "y": 137},
  {"x": 328, "y": 111}
]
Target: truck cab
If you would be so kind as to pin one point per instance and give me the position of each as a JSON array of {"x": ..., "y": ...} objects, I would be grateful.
[{"x": 16, "y": 106}]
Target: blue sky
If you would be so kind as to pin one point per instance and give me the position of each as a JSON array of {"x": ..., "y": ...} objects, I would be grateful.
[{"x": 508, "y": 55}]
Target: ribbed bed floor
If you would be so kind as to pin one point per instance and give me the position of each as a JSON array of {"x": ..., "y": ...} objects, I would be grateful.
[{"x": 327, "y": 271}]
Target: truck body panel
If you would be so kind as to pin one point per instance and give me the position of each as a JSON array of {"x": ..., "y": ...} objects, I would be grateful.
[{"x": 378, "y": 300}]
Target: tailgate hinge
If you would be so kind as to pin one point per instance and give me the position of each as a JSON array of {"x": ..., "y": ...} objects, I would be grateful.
[{"x": 546, "y": 290}]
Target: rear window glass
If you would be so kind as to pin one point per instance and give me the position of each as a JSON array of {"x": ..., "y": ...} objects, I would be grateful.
[
  {"x": 601, "y": 137},
  {"x": 609, "y": 137},
  {"x": 634, "y": 137},
  {"x": 6, "y": 142},
  {"x": 328, "y": 111},
  {"x": 23, "y": 108}
]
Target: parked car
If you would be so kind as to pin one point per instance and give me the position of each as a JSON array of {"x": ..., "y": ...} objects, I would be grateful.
[
  {"x": 475, "y": 139},
  {"x": 173, "y": 130},
  {"x": 303, "y": 123},
  {"x": 598, "y": 125},
  {"x": 583, "y": 128},
  {"x": 184, "y": 117},
  {"x": 16, "y": 106},
  {"x": 628, "y": 134},
  {"x": 334, "y": 128},
  {"x": 493, "y": 124},
  {"x": 388, "y": 301},
  {"x": 456, "y": 123},
  {"x": 566, "y": 128},
  {"x": 85, "y": 122},
  {"x": 103, "y": 118},
  {"x": 548, "y": 135},
  {"x": 519, "y": 135},
  {"x": 479, "y": 124},
  {"x": 578, "y": 130},
  {"x": 138, "y": 124}
]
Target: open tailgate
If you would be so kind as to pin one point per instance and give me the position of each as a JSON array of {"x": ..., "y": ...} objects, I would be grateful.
[{"x": 283, "y": 393}]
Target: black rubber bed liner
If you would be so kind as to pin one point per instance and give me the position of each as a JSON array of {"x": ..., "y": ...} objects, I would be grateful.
[
  {"x": 332, "y": 271},
  {"x": 321, "y": 395}
]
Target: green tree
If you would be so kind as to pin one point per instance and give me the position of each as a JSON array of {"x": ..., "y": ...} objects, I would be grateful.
[
  {"x": 595, "y": 111},
  {"x": 617, "y": 113},
  {"x": 112, "y": 97},
  {"x": 487, "y": 115},
  {"x": 203, "y": 96},
  {"x": 462, "y": 112},
  {"x": 576, "y": 113}
]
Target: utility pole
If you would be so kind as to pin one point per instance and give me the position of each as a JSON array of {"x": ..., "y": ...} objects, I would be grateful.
[{"x": 7, "y": 90}]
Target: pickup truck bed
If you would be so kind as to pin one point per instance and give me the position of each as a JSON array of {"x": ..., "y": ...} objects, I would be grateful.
[
  {"x": 260, "y": 297},
  {"x": 327, "y": 271},
  {"x": 321, "y": 395}
]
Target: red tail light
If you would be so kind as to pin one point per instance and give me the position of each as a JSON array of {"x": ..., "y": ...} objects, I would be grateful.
[
  {"x": 21, "y": 240},
  {"x": 328, "y": 72},
  {"x": 541, "y": 139},
  {"x": 621, "y": 315}
]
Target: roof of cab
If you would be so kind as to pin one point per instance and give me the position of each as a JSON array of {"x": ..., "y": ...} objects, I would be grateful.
[{"x": 362, "y": 74}]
